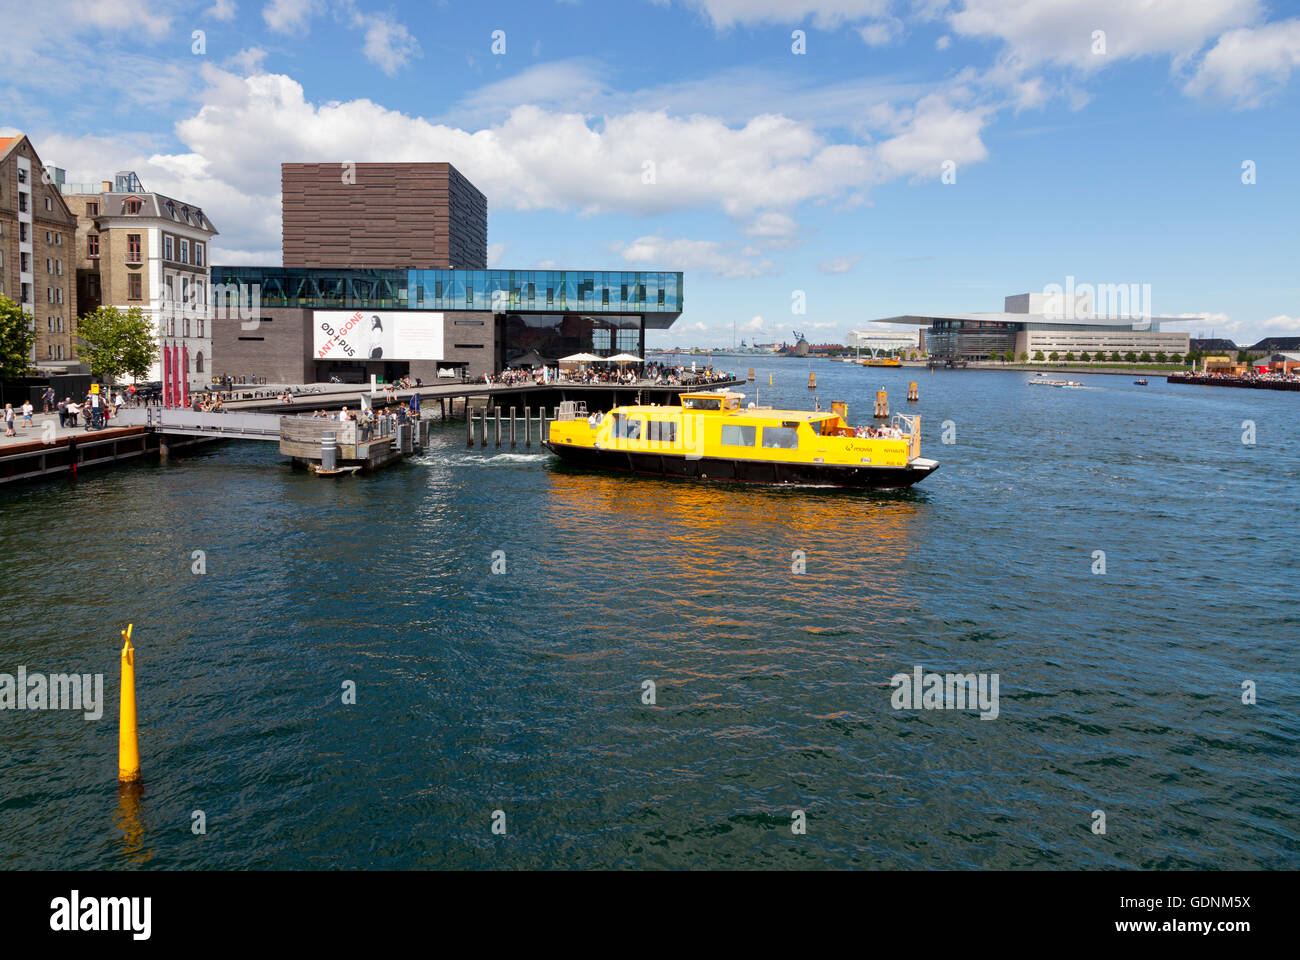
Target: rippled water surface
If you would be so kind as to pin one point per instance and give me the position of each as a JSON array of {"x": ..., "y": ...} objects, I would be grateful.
[{"x": 523, "y": 692}]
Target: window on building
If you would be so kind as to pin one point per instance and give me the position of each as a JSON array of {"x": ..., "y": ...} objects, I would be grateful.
[
  {"x": 22, "y": 202},
  {"x": 198, "y": 357},
  {"x": 167, "y": 248},
  {"x": 92, "y": 208},
  {"x": 58, "y": 268},
  {"x": 198, "y": 254},
  {"x": 49, "y": 204},
  {"x": 23, "y": 235},
  {"x": 199, "y": 332},
  {"x": 58, "y": 295},
  {"x": 92, "y": 244},
  {"x": 134, "y": 288},
  {"x": 437, "y": 290},
  {"x": 24, "y": 263},
  {"x": 49, "y": 266},
  {"x": 58, "y": 239},
  {"x": 185, "y": 251},
  {"x": 49, "y": 294},
  {"x": 49, "y": 238},
  {"x": 60, "y": 351},
  {"x": 133, "y": 248},
  {"x": 49, "y": 324},
  {"x": 58, "y": 324},
  {"x": 22, "y": 175},
  {"x": 133, "y": 205},
  {"x": 51, "y": 348}
]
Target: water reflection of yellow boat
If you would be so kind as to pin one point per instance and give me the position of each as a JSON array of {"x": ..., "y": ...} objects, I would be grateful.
[{"x": 712, "y": 437}]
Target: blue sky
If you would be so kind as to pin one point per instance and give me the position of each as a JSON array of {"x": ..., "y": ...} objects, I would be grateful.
[{"x": 1102, "y": 140}]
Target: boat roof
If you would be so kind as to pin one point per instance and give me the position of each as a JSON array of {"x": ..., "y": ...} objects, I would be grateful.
[{"x": 765, "y": 413}]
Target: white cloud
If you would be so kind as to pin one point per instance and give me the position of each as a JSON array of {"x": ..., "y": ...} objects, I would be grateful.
[
  {"x": 1281, "y": 325},
  {"x": 248, "y": 61},
  {"x": 221, "y": 10},
  {"x": 826, "y": 14},
  {"x": 881, "y": 33},
  {"x": 495, "y": 251},
  {"x": 757, "y": 173},
  {"x": 112, "y": 15},
  {"x": 290, "y": 16},
  {"x": 756, "y": 323},
  {"x": 1061, "y": 31},
  {"x": 943, "y": 43},
  {"x": 683, "y": 254},
  {"x": 935, "y": 131},
  {"x": 388, "y": 44},
  {"x": 839, "y": 264},
  {"x": 1247, "y": 65},
  {"x": 772, "y": 226}
]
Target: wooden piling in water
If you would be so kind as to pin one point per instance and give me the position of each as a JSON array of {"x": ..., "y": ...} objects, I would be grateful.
[
  {"x": 469, "y": 432},
  {"x": 913, "y": 391},
  {"x": 498, "y": 413},
  {"x": 512, "y": 428},
  {"x": 882, "y": 403},
  {"x": 528, "y": 427}
]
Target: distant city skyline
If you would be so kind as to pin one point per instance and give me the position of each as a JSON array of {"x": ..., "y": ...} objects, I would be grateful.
[{"x": 857, "y": 159}]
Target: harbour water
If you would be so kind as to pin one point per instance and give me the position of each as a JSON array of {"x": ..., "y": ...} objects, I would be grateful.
[{"x": 522, "y": 691}]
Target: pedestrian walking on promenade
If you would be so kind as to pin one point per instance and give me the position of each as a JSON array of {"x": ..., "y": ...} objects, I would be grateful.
[
  {"x": 27, "y": 413},
  {"x": 63, "y": 413},
  {"x": 9, "y": 420}
]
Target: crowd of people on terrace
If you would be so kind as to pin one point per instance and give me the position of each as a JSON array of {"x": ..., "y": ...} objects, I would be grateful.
[
  {"x": 372, "y": 422},
  {"x": 591, "y": 373},
  {"x": 1251, "y": 375}
]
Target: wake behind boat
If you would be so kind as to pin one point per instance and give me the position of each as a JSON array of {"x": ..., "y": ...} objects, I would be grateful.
[{"x": 711, "y": 437}]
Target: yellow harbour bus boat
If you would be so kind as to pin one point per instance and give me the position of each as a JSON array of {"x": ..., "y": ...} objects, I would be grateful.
[
  {"x": 711, "y": 436},
  {"x": 881, "y": 362}
]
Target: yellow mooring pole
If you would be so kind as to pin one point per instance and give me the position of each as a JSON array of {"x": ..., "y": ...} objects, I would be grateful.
[{"x": 128, "y": 744}]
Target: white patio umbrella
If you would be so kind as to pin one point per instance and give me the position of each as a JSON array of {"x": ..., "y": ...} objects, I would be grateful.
[
  {"x": 624, "y": 358},
  {"x": 581, "y": 358}
]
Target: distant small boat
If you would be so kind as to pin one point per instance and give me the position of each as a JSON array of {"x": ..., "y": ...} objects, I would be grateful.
[
  {"x": 1141, "y": 383},
  {"x": 1054, "y": 383}
]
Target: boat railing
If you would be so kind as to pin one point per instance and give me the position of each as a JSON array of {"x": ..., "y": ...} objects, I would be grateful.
[
  {"x": 910, "y": 424},
  {"x": 572, "y": 410}
]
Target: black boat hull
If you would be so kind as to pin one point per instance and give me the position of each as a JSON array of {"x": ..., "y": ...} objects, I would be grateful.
[{"x": 741, "y": 471}]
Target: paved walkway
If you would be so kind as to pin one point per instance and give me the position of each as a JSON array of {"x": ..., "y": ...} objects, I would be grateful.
[{"x": 36, "y": 432}]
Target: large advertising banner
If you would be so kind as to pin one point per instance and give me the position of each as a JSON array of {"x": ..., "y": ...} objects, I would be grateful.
[{"x": 377, "y": 335}]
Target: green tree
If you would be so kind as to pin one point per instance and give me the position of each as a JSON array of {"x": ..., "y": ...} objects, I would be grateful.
[
  {"x": 114, "y": 342},
  {"x": 1053, "y": 356},
  {"x": 1162, "y": 357},
  {"x": 1130, "y": 357},
  {"x": 1070, "y": 356},
  {"x": 1024, "y": 357},
  {"x": 1114, "y": 356},
  {"x": 1175, "y": 358},
  {"x": 1146, "y": 357},
  {"x": 17, "y": 337},
  {"x": 1085, "y": 357},
  {"x": 1038, "y": 355},
  {"x": 1009, "y": 356}
]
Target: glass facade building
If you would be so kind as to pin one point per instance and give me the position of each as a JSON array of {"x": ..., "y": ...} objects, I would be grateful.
[{"x": 655, "y": 295}]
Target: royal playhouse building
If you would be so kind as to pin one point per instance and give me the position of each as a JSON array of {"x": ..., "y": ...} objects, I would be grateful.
[{"x": 385, "y": 274}]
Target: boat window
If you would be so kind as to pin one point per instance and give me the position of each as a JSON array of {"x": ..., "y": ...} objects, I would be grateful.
[
  {"x": 738, "y": 435},
  {"x": 702, "y": 403},
  {"x": 627, "y": 428},
  {"x": 781, "y": 438},
  {"x": 661, "y": 431}
]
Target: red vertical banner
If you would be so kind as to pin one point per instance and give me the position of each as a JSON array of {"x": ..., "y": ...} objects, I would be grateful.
[
  {"x": 167, "y": 376},
  {"x": 185, "y": 376}
]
